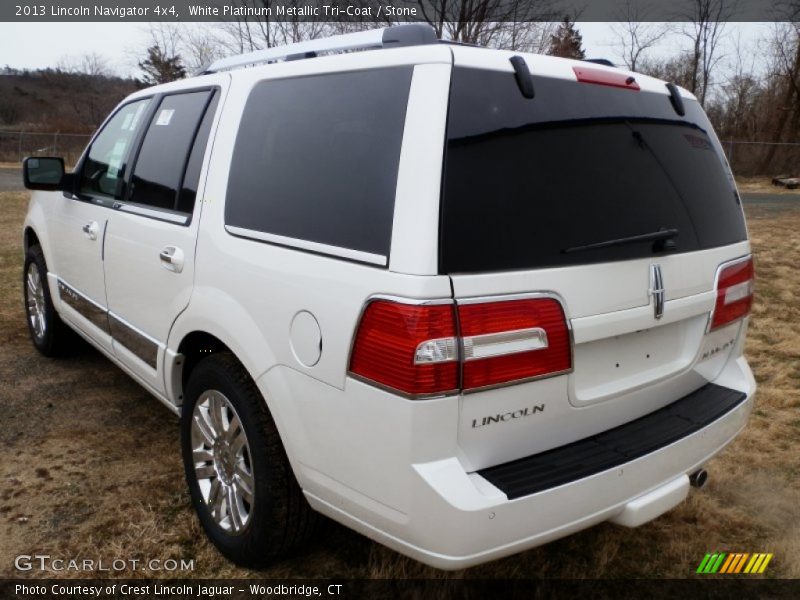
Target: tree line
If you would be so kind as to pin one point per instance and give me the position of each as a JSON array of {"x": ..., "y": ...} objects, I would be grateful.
[
  {"x": 751, "y": 93},
  {"x": 747, "y": 100}
]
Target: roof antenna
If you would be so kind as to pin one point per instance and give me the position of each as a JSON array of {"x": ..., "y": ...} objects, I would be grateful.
[{"x": 523, "y": 76}]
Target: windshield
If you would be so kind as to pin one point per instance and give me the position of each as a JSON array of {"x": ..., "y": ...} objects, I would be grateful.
[{"x": 528, "y": 181}]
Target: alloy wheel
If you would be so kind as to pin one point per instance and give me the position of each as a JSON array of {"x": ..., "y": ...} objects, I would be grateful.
[
  {"x": 222, "y": 461},
  {"x": 35, "y": 301}
]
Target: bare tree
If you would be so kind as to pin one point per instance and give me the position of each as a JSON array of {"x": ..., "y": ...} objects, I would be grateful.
[
  {"x": 705, "y": 28},
  {"x": 675, "y": 69},
  {"x": 247, "y": 33},
  {"x": 194, "y": 44},
  {"x": 525, "y": 37},
  {"x": 512, "y": 24},
  {"x": 89, "y": 63},
  {"x": 786, "y": 65},
  {"x": 199, "y": 47},
  {"x": 83, "y": 77},
  {"x": 741, "y": 97},
  {"x": 635, "y": 36},
  {"x": 166, "y": 36}
]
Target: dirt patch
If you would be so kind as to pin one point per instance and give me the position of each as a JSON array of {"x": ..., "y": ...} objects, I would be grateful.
[{"x": 91, "y": 463}]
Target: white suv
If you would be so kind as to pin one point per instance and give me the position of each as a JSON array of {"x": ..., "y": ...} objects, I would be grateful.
[{"x": 464, "y": 301}]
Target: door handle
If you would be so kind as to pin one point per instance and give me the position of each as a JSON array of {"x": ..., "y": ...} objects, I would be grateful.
[
  {"x": 171, "y": 258},
  {"x": 91, "y": 229}
]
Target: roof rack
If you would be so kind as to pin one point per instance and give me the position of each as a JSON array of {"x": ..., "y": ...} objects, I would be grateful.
[{"x": 412, "y": 34}]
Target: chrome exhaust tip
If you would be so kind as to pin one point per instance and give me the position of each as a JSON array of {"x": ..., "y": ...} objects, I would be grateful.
[{"x": 698, "y": 478}]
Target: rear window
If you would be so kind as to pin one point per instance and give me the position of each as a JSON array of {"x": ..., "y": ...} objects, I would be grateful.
[
  {"x": 529, "y": 181},
  {"x": 316, "y": 159}
]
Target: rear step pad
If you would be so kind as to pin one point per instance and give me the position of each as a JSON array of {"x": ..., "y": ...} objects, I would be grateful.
[{"x": 614, "y": 447}]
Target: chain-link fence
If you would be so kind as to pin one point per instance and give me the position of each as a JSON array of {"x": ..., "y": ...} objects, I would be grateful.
[
  {"x": 16, "y": 145},
  {"x": 769, "y": 159},
  {"x": 746, "y": 158}
]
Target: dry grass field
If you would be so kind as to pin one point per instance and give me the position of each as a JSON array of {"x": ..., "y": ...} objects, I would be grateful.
[{"x": 90, "y": 463}]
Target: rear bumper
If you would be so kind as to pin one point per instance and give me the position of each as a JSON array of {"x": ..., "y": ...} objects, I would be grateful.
[
  {"x": 614, "y": 447},
  {"x": 458, "y": 519}
]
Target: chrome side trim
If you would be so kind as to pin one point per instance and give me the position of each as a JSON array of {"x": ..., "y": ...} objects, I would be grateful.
[
  {"x": 153, "y": 213},
  {"x": 503, "y": 343},
  {"x": 357, "y": 255},
  {"x": 175, "y": 409},
  {"x": 85, "y": 306},
  {"x": 138, "y": 342}
]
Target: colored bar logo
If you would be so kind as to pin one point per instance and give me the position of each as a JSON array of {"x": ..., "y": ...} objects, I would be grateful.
[{"x": 734, "y": 562}]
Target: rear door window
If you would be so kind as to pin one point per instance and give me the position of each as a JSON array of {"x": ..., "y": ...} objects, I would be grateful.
[
  {"x": 528, "y": 181},
  {"x": 161, "y": 164},
  {"x": 316, "y": 159}
]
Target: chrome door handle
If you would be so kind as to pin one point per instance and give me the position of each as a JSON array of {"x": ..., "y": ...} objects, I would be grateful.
[
  {"x": 171, "y": 259},
  {"x": 91, "y": 229}
]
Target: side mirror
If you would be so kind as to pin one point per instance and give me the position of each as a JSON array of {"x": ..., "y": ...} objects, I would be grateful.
[{"x": 45, "y": 173}]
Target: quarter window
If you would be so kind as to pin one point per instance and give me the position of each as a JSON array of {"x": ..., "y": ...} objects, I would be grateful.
[{"x": 316, "y": 159}]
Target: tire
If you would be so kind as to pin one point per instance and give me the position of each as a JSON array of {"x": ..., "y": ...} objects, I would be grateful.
[
  {"x": 251, "y": 474},
  {"x": 48, "y": 332}
]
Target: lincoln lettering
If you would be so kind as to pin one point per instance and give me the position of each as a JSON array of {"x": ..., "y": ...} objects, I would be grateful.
[{"x": 503, "y": 417}]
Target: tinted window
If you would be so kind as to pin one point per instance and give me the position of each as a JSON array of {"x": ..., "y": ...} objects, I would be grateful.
[
  {"x": 104, "y": 168},
  {"x": 191, "y": 179},
  {"x": 579, "y": 164},
  {"x": 159, "y": 168},
  {"x": 316, "y": 158}
]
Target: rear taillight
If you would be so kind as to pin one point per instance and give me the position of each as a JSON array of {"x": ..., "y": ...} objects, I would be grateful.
[
  {"x": 734, "y": 292},
  {"x": 408, "y": 347},
  {"x": 513, "y": 340},
  {"x": 419, "y": 349}
]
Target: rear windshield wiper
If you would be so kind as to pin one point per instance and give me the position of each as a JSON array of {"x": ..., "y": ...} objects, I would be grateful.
[{"x": 662, "y": 237}]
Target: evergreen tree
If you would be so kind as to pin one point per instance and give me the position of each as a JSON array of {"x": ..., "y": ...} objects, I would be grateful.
[
  {"x": 566, "y": 42},
  {"x": 160, "y": 68}
]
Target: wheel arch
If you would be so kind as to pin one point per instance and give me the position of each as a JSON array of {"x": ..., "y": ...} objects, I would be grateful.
[
  {"x": 30, "y": 238},
  {"x": 36, "y": 230},
  {"x": 213, "y": 322}
]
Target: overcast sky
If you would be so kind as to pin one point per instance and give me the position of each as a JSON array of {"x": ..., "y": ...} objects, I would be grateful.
[{"x": 40, "y": 45}]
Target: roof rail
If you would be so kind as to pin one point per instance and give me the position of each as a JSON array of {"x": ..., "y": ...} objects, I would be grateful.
[{"x": 412, "y": 34}]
